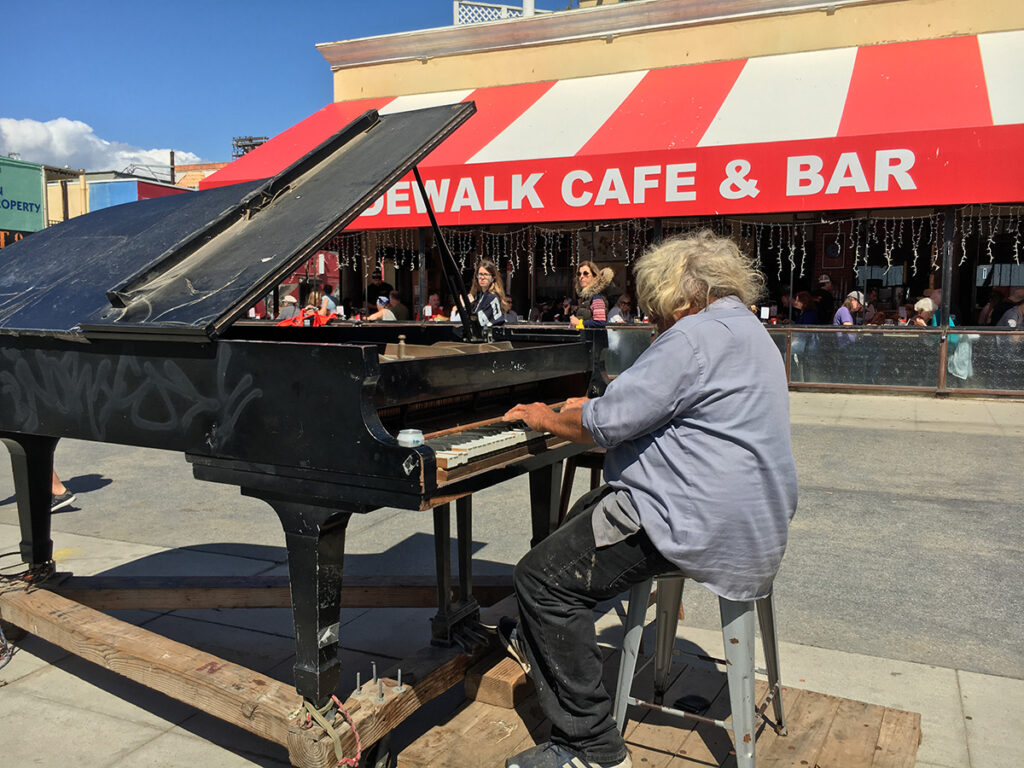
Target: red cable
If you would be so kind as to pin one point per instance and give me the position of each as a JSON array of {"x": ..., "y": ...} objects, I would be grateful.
[{"x": 351, "y": 761}]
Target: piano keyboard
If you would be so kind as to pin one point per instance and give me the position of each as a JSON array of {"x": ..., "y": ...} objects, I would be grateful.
[{"x": 459, "y": 448}]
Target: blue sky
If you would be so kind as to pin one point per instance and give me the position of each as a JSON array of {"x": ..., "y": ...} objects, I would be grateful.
[{"x": 88, "y": 82}]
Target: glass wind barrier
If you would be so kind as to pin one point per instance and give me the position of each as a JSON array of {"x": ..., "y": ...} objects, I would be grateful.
[
  {"x": 975, "y": 359},
  {"x": 625, "y": 344},
  {"x": 985, "y": 360}
]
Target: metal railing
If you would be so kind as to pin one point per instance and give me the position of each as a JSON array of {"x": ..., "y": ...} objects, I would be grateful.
[{"x": 476, "y": 13}]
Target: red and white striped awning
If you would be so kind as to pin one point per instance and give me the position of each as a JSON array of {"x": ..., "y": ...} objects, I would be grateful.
[{"x": 933, "y": 122}]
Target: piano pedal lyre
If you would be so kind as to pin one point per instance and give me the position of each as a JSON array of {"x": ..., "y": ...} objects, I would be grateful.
[{"x": 457, "y": 622}]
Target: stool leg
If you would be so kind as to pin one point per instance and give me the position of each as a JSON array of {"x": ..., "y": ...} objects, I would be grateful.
[
  {"x": 634, "y": 629},
  {"x": 566, "y": 492},
  {"x": 670, "y": 595},
  {"x": 766, "y": 618},
  {"x": 738, "y": 638}
]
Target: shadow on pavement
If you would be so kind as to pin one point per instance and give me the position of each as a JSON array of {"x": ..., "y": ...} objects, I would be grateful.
[
  {"x": 258, "y": 639},
  {"x": 78, "y": 484}
]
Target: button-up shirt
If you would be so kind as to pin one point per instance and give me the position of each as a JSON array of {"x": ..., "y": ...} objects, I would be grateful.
[{"x": 698, "y": 439}]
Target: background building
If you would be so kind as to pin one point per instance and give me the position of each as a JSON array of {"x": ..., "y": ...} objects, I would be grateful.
[
  {"x": 854, "y": 139},
  {"x": 24, "y": 205},
  {"x": 82, "y": 192}
]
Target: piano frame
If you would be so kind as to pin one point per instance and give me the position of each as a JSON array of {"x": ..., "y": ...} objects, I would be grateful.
[{"x": 161, "y": 360}]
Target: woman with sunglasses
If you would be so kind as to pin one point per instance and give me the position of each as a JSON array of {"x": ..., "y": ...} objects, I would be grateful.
[
  {"x": 591, "y": 283},
  {"x": 622, "y": 312}
]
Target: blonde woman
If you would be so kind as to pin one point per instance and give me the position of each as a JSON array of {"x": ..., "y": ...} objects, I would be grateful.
[
  {"x": 700, "y": 478},
  {"x": 314, "y": 300},
  {"x": 591, "y": 282},
  {"x": 923, "y": 311}
]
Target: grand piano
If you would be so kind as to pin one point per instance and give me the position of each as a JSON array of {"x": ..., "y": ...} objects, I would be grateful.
[{"x": 128, "y": 326}]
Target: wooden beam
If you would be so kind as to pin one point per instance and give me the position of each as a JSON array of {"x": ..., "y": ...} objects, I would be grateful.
[
  {"x": 500, "y": 681},
  {"x": 255, "y": 702},
  {"x": 108, "y": 593},
  {"x": 898, "y": 740},
  {"x": 426, "y": 675},
  {"x": 233, "y": 693}
]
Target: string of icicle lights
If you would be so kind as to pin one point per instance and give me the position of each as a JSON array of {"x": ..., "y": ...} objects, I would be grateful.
[{"x": 984, "y": 231}]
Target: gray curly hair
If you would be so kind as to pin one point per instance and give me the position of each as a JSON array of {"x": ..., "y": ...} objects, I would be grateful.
[{"x": 691, "y": 271}]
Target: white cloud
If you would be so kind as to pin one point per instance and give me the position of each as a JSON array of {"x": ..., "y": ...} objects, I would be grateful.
[{"x": 63, "y": 142}]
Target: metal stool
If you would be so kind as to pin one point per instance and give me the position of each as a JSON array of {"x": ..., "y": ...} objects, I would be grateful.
[{"x": 738, "y": 639}]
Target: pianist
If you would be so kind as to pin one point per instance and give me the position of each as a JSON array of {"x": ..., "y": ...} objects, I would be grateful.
[{"x": 700, "y": 478}]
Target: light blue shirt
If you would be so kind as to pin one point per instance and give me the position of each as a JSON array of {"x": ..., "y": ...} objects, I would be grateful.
[{"x": 697, "y": 433}]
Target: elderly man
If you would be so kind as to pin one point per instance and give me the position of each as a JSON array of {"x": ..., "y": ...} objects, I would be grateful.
[{"x": 700, "y": 478}]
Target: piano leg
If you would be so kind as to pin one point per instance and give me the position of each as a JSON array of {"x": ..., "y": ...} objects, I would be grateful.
[
  {"x": 32, "y": 462},
  {"x": 452, "y": 617},
  {"x": 545, "y": 495},
  {"x": 315, "y": 537}
]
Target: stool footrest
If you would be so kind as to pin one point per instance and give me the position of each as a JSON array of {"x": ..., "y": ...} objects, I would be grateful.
[
  {"x": 759, "y": 712},
  {"x": 678, "y": 712}
]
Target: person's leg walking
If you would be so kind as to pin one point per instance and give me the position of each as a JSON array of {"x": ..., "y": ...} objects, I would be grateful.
[{"x": 558, "y": 583}]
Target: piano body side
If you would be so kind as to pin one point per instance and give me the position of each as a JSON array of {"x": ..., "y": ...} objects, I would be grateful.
[{"x": 291, "y": 417}]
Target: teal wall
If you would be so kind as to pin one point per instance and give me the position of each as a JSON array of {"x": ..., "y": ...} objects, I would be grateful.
[{"x": 21, "y": 196}]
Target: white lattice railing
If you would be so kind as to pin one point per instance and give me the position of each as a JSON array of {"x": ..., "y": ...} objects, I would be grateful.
[{"x": 474, "y": 13}]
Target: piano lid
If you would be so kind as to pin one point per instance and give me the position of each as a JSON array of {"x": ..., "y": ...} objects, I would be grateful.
[{"x": 189, "y": 265}]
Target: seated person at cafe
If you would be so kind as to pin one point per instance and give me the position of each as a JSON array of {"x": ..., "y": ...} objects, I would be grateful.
[
  {"x": 924, "y": 309},
  {"x": 401, "y": 312},
  {"x": 313, "y": 300},
  {"x": 289, "y": 307},
  {"x": 870, "y": 306},
  {"x": 985, "y": 315},
  {"x": 383, "y": 311},
  {"x": 327, "y": 305},
  {"x": 850, "y": 307},
  {"x": 1013, "y": 318},
  {"x": 432, "y": 309},
  {"x": 805, "y": 309},
  {"x": 622, "y": 312}
]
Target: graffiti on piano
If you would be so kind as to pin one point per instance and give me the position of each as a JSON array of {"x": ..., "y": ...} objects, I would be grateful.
[{"x": 101, "y": 393}]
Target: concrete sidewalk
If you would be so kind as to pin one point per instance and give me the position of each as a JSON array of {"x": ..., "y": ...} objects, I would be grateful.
[
  {"x": 57, "y": 709},
  {"x": 995, "y": 417}
]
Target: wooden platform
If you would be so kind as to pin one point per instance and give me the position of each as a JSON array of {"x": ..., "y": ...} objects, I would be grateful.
[{"x": 824, "y": 731}]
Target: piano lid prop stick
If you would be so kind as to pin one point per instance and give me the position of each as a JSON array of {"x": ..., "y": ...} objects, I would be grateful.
[{"x": 470, "y": 325}]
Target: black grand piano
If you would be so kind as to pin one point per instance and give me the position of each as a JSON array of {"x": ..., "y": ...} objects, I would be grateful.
[{"x": 128, "y": 326}]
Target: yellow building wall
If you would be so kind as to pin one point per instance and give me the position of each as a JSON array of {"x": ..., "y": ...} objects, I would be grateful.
[
  {"x": 871, "y": 24},
  {"x": 78, "y": 200}
]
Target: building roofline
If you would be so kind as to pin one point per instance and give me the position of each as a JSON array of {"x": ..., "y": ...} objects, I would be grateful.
[{"x": 597, "y": 22}]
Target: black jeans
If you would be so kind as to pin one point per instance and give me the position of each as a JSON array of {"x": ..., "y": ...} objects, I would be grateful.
[{"x": 558, "y": 583}]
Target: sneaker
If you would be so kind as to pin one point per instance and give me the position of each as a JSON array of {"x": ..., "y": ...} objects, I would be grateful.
[
  {"x": 61, "y": 500},
  {"x": 550, "y": 755},
  {"x": 508, "y": 634}
]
